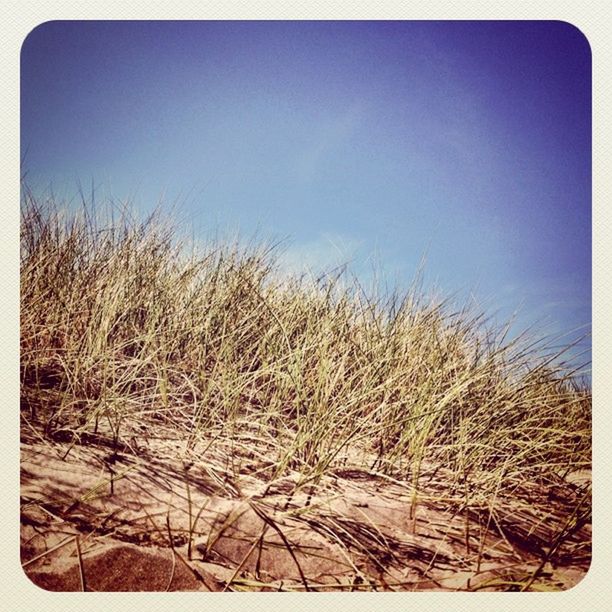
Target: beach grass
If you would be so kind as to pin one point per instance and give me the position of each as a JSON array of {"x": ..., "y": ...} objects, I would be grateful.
[{"x": 130, "y": 333}]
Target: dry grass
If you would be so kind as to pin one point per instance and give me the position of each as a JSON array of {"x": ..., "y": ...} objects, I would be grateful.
[{"x": 280, "y": 384}]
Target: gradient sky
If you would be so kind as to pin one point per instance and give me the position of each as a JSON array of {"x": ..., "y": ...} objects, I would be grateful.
[{"x": 467, "y": 142}]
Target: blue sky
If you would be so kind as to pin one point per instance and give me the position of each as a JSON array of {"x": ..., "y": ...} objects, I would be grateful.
[{"x": 467, "y": 142}]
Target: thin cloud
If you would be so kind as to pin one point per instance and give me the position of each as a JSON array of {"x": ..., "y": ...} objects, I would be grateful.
[{"x": 323, "y": 254}]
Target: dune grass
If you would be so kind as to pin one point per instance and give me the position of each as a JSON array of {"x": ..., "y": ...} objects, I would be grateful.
[{"x": 127, "y": 333}]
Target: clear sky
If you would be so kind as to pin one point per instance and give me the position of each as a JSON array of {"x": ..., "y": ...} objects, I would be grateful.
[{"x": 467, "y": 142}]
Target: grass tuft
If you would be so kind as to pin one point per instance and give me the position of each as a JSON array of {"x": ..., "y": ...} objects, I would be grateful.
[{"x": 128, "y": 334}]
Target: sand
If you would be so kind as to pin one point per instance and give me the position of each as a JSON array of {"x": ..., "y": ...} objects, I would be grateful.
[{"x": 149, "y": 520}]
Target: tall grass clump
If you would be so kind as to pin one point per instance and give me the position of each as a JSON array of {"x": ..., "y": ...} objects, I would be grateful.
[{"x": 128, "y": 334}]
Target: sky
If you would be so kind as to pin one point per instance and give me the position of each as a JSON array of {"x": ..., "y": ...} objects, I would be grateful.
[{"x": 369, "y": 143}]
